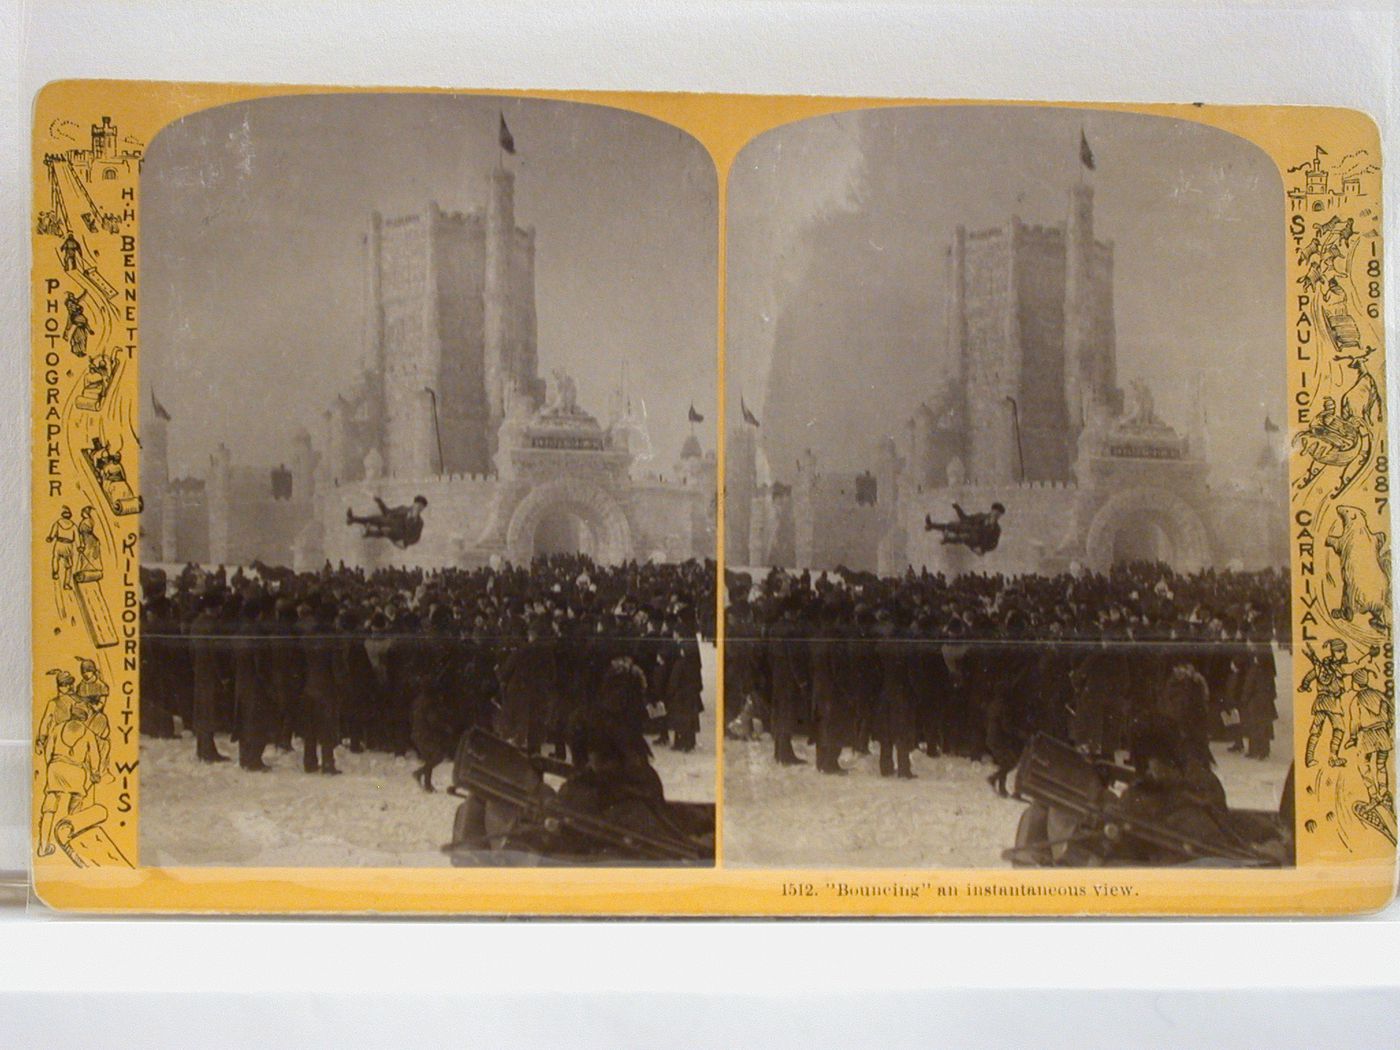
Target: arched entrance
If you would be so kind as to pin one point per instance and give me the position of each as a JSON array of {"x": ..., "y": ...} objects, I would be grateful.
[
  {"x": 561, "y": 530},
  {"x": 1144, "y": 524},
  {"x": 569, "y": 516}
]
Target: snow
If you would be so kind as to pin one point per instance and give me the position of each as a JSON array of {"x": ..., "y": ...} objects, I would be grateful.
[
  {"x": 373, "y": 815},
  {"x": 777, "y": 816}
]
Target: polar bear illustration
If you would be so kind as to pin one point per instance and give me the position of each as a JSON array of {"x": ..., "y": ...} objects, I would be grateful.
[{"x": 1364, "y": 557}]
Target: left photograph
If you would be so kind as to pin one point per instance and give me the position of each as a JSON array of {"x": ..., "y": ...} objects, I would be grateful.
[{"x": 428, "y": 404}]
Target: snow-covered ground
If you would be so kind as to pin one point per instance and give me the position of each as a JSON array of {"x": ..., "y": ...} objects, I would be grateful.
[
  {"x": 791, "y": 816},
  {"x": 374, "y": 815}
]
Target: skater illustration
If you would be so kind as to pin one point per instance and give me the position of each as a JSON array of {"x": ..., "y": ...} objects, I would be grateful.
[
  {"x": 402, "y": 526},
  {"x": 1372, "y": 727},
  {"x": 979, "y": 533}
]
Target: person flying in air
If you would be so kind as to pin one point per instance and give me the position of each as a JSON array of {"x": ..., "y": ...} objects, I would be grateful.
[
  {"x": 979, "y": 533},
  {"x": 402, "y": 526}
]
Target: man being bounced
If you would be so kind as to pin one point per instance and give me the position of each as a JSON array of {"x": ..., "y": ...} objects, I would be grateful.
[
  {"x": 401, "y": 526},
  {"x": 979, "y": 533}
]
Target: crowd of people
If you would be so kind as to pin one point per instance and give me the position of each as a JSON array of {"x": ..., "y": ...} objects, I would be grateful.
[
  {"x": 556, "y": 656},
  {"x": 975, "y": 665}
]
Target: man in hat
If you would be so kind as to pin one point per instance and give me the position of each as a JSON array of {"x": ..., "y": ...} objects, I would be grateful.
[
  {"x": 91, "y": 693},
  {"x": 979, "y": 533},
  {"x": 68, "y": 252},
  {"x": 63, "y": 534},
  {"x": 402, "y": 526},
  {"x": 1173, "y": 793},
  {"x": 78, "y": 328},
  {"x": 58, "y": 710},
  {"x": 1327, "y": 676}
]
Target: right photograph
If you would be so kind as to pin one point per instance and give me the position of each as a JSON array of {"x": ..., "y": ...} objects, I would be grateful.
[{"x": 1007, "y": 497}]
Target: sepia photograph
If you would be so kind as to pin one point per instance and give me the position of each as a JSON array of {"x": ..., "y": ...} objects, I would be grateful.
[
  {"x": 1007, "y": 496},
  {"x": 428, "y": 460}
]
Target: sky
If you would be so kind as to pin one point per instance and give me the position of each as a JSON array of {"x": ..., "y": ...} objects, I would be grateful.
[
  {"x": 252, "y": 278},
  {"x": 837, "y": 228}
]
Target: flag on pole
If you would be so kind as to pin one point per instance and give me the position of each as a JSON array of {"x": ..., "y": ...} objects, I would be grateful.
[
  {"x": 749, "y": 417},
  {"x": 1086, "y": 155},
  {"x": 1270, "y": 427},
  {"x": 694, "y": 416},
  {"x": 161, "y": 413},
  {"x": 506, "y": 139}
]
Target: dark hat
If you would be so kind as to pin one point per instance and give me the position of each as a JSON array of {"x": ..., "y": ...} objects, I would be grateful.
[
  {"x": 998, "y": 508},
  {"x": 421, "y": 501}
]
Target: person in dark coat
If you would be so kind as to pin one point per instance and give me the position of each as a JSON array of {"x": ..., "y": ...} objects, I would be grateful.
[
  {"x": 897, "y": 725},
  {"x": 788, "y": 687},
  {"x": 860, "y": 677},
  {"x": 159, "y": 639},
  {"x": 834, "y": 706},
  {"x": 403, "y": 663},
  {"x": 1258, "y": 695},
  {"x": 528, "y": 683},
  {"x": 684, "y": 687},
  {"x": 1183, "y": 706},
  {"x": 438, "y": 715},
  {"x": 288, "y": 672},
  {"x": 205, "y": 632},
  {"x": 321, "y": 696},
  {"x": 1099, "y": 684},
  {"x": 1007, "y": 721},
  {"x": 617, "y": 708},
  {"x": 932, "y": 685},
  {"x": 251, "y": 682},
  {"x": 740, "y": 680}
]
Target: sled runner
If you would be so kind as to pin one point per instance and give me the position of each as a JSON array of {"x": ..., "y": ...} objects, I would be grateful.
[
  {"x": 96, "y": 615},
  {"x": 85, "y": 842},
  {"x": 1075, "y": 820},
  {"x": 511, "y": 817}
]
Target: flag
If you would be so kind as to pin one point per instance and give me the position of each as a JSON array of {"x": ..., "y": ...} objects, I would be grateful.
[
  {"x": 506, "y": 139},
  {"x": 161, "y": 413},
  {"x": 694, "y": 416},
  {"x": 1086, "y": 155},
  {"x": 749, "y": 417},
  {"x": 1270, "y": 427}
]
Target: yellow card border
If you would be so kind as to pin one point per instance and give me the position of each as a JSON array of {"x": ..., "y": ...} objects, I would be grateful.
[{"x": 1332, "y": 875}]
